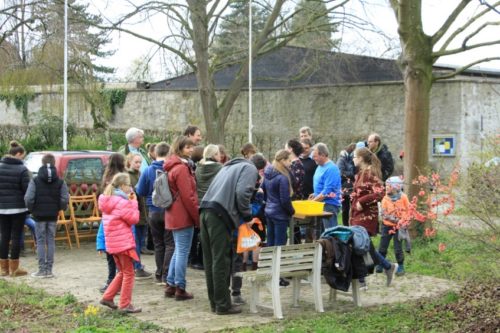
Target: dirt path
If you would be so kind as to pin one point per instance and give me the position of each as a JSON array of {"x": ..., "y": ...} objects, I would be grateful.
[{"x": 81, "y": 272}]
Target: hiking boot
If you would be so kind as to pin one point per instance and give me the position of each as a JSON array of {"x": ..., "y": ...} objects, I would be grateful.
[
  {"x": 182, "y": 295},
  {"x": 142, "y": 274},
  {"x": 284, "y": 283},
  {"x": 238, "y": 300},
  {"x": 108, "y": 303},
  {"x": 130, "y": 309},
  {"x": 39, "y": 275},
  {"x": 390, "y": 274},
  {"x": 230, "y": 311},
  {"x": 401, "y": 270},
  {"x": 170, "y": 291},
  {"x": 379, "y": 269}
]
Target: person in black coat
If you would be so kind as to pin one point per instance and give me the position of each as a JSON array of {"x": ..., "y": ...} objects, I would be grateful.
[
  {"x": 376, "y": 146},
  {"x": 14, "y": 180},
  {"x": 347, "y": 172}
]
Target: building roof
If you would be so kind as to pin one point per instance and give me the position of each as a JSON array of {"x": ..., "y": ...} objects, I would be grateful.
[
  {"x": 292, "y": 66},
  {"x": 298, "y": 67}
]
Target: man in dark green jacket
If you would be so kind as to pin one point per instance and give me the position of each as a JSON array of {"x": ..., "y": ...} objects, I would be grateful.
[{"x": 225, "y": 203}]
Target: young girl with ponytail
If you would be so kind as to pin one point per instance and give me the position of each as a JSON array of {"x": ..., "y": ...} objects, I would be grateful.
[{"x": 120, "y": 212}]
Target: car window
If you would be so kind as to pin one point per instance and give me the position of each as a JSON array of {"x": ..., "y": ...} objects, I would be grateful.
[
  {"x": 33, "y": 162},
  {"x": 84, "y": 169}
]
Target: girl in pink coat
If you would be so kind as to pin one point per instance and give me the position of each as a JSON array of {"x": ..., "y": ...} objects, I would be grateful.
[{"x": 120, "y": 212}]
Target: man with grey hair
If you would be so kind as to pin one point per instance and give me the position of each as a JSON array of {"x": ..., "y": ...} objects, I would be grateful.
[
  {"x": 135, "y": 139},
  {"x": 327, "y": 184},
  {"x": 305, "y": 133}
]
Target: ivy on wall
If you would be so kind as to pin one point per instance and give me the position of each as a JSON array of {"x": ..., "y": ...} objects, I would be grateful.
[
  {"x": 114, "y": 98},
  {"x": 20, "y": 98}
]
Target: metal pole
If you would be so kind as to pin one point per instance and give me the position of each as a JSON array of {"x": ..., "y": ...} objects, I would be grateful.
[
  {"x": 250, "y": 123},
  {"x": 65, "y": 98}
]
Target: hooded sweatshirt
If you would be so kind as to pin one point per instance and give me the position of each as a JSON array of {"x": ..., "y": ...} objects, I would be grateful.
[
  {"x": 46, "y": 195},
  {"x": 231, "y": 191}
]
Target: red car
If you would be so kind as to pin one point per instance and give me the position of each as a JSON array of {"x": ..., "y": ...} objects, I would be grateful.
[{"x": 78, "y": 168}]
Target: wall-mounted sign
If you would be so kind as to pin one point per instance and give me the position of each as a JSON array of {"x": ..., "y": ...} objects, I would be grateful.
[{"x": 443, "y": 145}]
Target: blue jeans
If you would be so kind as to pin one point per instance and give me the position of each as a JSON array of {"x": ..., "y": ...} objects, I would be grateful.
[
  {"x": 276, "y": 231},
  {"x": 45, "y": 245},
  {"x": 330, "y": 222},
  {"x": 178, "y": 264},
  {"x": 30, "y": 223},
  {"x": 140, "y": 231}
]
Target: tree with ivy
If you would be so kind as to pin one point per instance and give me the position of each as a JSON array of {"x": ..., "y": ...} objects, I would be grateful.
[{"x": 313, "y": 17}]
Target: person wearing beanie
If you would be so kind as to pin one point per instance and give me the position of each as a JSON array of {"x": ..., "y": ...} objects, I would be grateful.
[{"x": 395, "y": 206}]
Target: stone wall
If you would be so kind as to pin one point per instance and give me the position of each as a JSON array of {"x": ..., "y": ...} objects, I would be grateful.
[{"x": 338, "y": 115}]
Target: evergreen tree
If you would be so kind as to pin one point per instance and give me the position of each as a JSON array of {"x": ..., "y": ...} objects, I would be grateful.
[
  {"x": 312, "y": 26},
  {"x": 231, "y": 43}
]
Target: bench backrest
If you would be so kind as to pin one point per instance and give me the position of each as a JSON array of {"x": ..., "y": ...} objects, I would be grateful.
[{"x": 289, "y": 258}]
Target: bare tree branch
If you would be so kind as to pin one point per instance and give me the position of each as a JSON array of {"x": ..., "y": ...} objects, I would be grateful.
[
  {"x": 463, "y": 48},
  {"x": 463, "y": 68},
  {"x": 449, "y": 21}
]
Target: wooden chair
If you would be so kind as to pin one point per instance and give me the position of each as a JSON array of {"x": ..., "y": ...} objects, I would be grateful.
[
  {"x": 66, "y": 223},
  {"x": 83, "y": 209}
]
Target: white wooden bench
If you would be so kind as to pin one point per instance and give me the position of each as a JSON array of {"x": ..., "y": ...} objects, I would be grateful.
[{"x": 301, "y": 261}]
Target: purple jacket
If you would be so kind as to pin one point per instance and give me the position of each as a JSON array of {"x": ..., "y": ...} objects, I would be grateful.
[{"x": 277, "y": 192}]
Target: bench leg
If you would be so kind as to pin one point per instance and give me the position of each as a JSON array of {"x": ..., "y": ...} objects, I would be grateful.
[
  {"x": 296, "y": 291},
  {"x": 356, "y": 297},
  {"x": 254, "y": 296},
  {"x": 333, "y": 295},
  {"x": 275, "y": 294}
]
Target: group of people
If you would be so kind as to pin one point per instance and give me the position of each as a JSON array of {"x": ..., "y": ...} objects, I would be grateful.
[{"x": 212, "y": 196}]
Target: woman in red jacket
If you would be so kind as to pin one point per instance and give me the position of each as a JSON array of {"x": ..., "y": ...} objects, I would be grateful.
[
  {"x": 120, "y": 212},
  {"x": 182, "y": 216},
  {"x": 368, "y": 191}
]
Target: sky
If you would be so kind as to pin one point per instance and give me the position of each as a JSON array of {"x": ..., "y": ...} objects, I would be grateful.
[{"x": 128, "y": 48}]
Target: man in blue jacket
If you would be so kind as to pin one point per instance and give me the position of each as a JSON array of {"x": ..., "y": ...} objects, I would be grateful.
[
  {"x": 162, "y": 238},
  {"x": 327, "y": 184}
]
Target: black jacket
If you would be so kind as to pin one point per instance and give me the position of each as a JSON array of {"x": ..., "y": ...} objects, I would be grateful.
[
  {"x": 385, "y": 157},
  {"x": 46, "y": 195},
  {"x": 347, "y": 172},
  {"x": 14, "y": 180},
  {"x": 309, "y": 169}
]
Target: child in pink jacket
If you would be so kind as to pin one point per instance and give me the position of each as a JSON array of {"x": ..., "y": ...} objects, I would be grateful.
[{"x": 120, "y": 212}]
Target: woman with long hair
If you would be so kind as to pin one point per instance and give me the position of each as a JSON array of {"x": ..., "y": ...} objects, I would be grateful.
[
  {"x": 278, "y": 191},
  {"x": 14, "y": 181},
  {"x": 116, "y": 164},
  {"x": 368, "y": 191},
  {"x": 182, "y": 216}
]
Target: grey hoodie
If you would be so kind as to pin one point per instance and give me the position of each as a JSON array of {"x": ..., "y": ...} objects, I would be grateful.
[{"x": 231, "y": 191}]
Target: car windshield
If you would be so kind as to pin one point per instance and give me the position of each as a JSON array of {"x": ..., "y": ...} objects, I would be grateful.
[{"x": 33, "y": 162}]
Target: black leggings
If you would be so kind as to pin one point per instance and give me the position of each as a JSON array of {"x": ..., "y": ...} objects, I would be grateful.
[{"x": 11, "y": 228}]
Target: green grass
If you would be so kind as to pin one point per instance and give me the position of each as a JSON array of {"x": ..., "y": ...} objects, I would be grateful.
[
  {"x": 25, "y": 309},
  {"x": 471, "y": 263}
]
